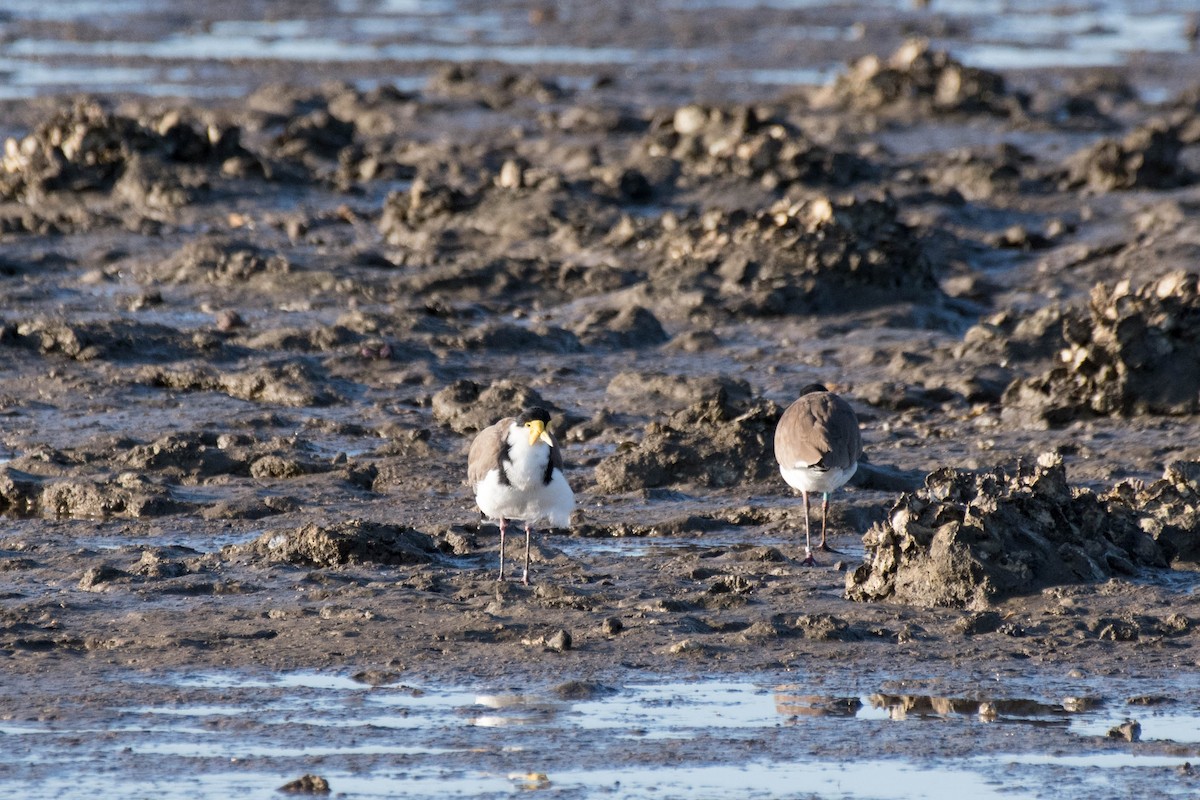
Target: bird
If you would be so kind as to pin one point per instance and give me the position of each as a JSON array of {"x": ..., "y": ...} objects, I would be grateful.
[
  {"x": 817, "y": 445},
  {"x": 515, "y": 468}
]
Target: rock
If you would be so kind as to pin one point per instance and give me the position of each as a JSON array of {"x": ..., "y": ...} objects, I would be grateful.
[
  {"x": 1169, "y": 509},
  {"x": 1130, "y": 730},
  {"x": 968, "y": 539},
  {"x": 1130, "y": 352},
  {"x": 1147, "y": 158},
  {"x": 559, "y": 641},
  {"x": 922, "y": 80},
  {"x": 611, "y": 626}
]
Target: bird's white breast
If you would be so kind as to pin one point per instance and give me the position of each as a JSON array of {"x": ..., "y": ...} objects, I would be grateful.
[
  {"x": 526, "y": 496},
  {"x": 808, "y": 479}
]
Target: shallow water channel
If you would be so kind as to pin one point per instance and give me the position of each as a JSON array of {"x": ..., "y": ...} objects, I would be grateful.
[{"x": 225, "y": 734}]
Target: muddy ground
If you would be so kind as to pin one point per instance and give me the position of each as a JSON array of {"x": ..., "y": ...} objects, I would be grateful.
[{"x": 245, "y": 345}]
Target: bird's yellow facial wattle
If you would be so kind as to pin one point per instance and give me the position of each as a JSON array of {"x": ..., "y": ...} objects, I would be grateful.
[{"x": 537, "y": 430}]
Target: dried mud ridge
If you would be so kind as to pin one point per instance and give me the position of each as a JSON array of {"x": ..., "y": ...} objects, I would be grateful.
[{"x": 280, "y": 321}]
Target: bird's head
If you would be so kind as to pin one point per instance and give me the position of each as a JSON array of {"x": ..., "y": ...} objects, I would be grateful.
[{"x": 534, "y": 421}]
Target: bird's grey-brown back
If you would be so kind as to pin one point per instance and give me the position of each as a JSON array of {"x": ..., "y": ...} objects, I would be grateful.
[
  {"x": 820, "y": 428},
  {"x": 484, "y": 455}
]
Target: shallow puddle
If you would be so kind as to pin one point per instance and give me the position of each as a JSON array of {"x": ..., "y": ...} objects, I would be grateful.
[{"x": 210, "y": 734}]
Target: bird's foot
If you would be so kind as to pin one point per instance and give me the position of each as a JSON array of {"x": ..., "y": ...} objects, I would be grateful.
[
  {"x": 808, "y": 561},
  {"x": 824, "y": 548},
  {"x": 525, "y": 579}
]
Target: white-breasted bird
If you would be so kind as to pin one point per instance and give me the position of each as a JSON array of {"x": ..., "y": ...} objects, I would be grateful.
[
  {"x": 817, "y": 445},
  {"x": 516, "y": 470}
]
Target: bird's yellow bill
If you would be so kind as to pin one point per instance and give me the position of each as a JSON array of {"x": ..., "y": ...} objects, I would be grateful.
[{"x": 537, "y": 430}]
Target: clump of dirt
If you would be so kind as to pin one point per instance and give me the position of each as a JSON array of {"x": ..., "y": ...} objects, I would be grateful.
[
  {"x": 129, "y": 494},
  {"x": 1170, "y": 509},
  {"x": 1132, "y": 352},
  {"x": 793, "y": 258},
  {"x": 630, "y": 326},
  {"x": 294, "y": 383},
  {"x": 223, "y": 261},
  {"x": 714, "y": 442},
  {"x": 969, "y": 539},
  {"x": 107, "y": 339},
  {"x": 920, "y": 79},
  {"x": 979, "y": 174},
  {"x": 87, "y": 148},
  {"x": 1147, "y": 158},
  {"x": 465, "y": 407},
  {"x": 710, "y": 141},
  {"x": 350, "y": 542}
]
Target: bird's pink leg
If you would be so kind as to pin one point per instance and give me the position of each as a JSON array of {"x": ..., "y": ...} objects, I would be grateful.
[
  {"x": 808, "y": 561},
  {"x": 502, "y": 548},
  {"x": 525, "y": 576}
]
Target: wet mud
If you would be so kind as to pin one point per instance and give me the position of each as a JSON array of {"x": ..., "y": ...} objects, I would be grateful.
[{"x": 246, "y": 343}]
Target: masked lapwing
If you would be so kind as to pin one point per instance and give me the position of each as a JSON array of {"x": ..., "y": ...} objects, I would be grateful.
[
  {"x": 516, "y": 469},
  {"x": 817, "y": 445}
]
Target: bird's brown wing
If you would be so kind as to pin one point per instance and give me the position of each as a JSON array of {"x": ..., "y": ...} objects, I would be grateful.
[
  {"x": 819, "y": 428},
  {"x": 484, "y": 455}
]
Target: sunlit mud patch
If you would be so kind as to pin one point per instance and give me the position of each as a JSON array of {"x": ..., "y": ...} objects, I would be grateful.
[{"x": 376, "y": 735}]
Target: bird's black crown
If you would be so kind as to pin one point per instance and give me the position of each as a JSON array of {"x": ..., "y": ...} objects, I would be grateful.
[
  {"x": 813, "y": 387},
  {"x": 530, "y": 414}
]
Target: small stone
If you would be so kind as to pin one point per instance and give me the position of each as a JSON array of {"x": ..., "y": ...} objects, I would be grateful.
[
  {"x": 1130, "y": 730},
  {"x": 306, "y": 784},
  {"x": 559, "y": 641},
  {"x": 611, "y": 626}
]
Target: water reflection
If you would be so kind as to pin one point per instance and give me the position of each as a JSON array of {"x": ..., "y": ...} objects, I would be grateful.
[{"x": 710, "y": 738}]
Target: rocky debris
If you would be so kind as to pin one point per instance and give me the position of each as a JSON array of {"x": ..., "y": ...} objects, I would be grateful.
[
  {"x": 742, "y": 142},
  {"x": 1169, "y": 509},
  {"x": 715, "y": 442},
  {"x": 1130, "y": 352},
  {"x": 794, "y": 258},
  {"x": 87, "y": 148},
  {"x": 919, "y": 79},
  {"x": 465, "y": 407},
  {"x": 294, "y": 383},
  {"x": 967, "y": 540},
  {"x": 350, "y": 542},
  {"x": 631, "y": 326},
  {"x": 1147, "y": 158}
]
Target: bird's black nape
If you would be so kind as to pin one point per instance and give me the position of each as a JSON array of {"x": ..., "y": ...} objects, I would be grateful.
[
  {"x": 813, "y": 387},
  {"x": 530, "y": 414}
]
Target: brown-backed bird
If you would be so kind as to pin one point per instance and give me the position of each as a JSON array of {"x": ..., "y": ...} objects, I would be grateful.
[
  {"x": 817, "y": 445},
  {"x": 516, "y": 469}
]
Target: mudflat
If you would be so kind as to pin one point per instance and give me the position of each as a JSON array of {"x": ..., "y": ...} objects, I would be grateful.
[{"x": 246, "y": 344}]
